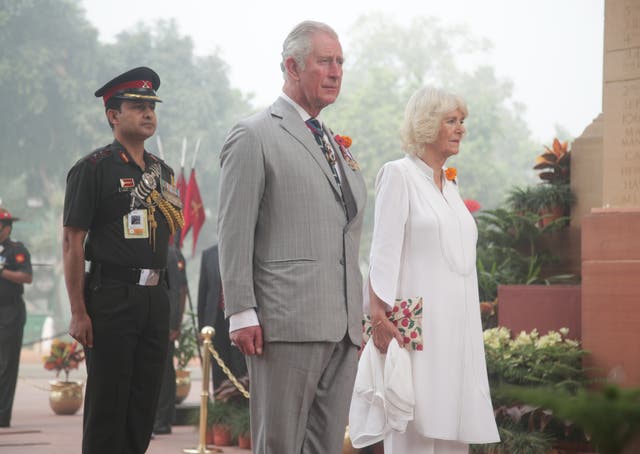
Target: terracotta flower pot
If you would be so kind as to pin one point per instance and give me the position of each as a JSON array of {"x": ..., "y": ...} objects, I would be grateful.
[
  {"x": 65, "y": 397},
  {"x": 209, "y": 435},
  {"x": 551, "y": 215},
  {"x": 183, "y": 384},
  {"x": 222, "y": 435},
  {"x": 244, "y": 441}
]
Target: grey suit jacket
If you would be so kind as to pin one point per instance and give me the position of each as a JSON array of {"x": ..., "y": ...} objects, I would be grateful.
[
  {"x": 209, "y": 288},
  {"x": 286, "y": 248}
]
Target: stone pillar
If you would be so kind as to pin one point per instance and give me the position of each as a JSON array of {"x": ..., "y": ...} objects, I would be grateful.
[
  {"x": 611, "y": 293},
  {"x": 621, "y": 165},
  {"x": 611, "y": 232},
  {"x": 586, "y": 171}
]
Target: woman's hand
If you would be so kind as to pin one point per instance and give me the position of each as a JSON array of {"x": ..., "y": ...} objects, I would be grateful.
[
  {"x": 382, "y": 333},
  {"x": 383, "y": 330}
]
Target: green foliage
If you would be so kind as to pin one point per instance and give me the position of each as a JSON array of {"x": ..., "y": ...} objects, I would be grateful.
[
  {"x": 530, "y": 359},
  {"x": 186, "y": 345},
  {"x": 220, "y": 412},
  {"x": 241, "y": 422},
  {"x": 540, "y": 198},
  {"x": 611, "y": 415},
  {"x": 551, "y": 361},
  {"x": 516, "y": 440},
  {"x": 511, "y": 250}
]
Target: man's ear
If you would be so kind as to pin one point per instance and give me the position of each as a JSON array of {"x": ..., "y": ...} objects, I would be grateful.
[
  {"x": 292, "y": 68},
  {"x": 112, "y": 116}
]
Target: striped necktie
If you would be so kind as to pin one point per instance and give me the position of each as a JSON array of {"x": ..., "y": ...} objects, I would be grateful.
[{"x": 337, "y": 169}]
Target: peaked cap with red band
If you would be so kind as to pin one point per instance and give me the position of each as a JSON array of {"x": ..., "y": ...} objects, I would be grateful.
[
  {"x": 6, "y": 216},
  {"x": 138, "y": 84}
]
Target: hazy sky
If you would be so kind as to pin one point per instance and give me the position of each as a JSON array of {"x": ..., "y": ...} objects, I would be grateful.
[{"x": 550, "y": 49}]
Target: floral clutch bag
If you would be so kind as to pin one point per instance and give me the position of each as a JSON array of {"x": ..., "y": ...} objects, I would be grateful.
[{"x": 406, "y": 315}]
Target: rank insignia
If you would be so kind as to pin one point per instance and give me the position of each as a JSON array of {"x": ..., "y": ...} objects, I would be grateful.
[{"x": 127, "y": 183}]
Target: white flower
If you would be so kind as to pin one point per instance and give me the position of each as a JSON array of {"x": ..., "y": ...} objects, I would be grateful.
[
  {"x": 497, "y": 337},
  {"x": 551, "y": 338}
]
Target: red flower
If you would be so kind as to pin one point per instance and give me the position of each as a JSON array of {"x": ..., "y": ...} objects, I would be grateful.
[
  {"x": 405, "y": 322},
  {"x": 64, "y": 356},
  {"x": 486, "y": 307},
  {"x": 472, "y": 205},
  {"x": 345, "y": 141},
  {"x": 419, "y": 347}
]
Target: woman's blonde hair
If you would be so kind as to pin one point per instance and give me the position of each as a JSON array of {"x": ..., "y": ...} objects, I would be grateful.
[{"x": 423, "y": 117}]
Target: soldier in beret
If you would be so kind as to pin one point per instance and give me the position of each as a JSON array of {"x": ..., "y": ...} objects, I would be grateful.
[
  {"x": 121, "y": 205},
  {"x": 15, "y": 271}
]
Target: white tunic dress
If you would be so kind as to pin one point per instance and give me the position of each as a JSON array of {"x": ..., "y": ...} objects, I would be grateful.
[{"x": 424, "y": 245}]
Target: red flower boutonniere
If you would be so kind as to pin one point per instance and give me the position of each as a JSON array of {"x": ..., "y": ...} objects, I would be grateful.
[
  {"x": 344, "y": 142},
  {"x": 451, "y": 174}
]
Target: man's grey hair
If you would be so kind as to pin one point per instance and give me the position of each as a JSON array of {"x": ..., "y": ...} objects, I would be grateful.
[{"x": 298, "y": 43}]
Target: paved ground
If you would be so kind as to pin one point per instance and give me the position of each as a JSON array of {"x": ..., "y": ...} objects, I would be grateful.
[{"x": 36, "y": 429}]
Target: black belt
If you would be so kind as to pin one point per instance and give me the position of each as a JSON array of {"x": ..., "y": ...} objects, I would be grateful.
[{"x": 138, "y": 276}]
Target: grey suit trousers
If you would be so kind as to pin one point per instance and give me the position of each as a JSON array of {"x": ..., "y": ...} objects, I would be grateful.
[{"x": 311, "y": 383}]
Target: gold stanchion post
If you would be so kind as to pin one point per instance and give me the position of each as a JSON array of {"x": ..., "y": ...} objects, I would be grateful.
[{"x": 207, "y": 333}]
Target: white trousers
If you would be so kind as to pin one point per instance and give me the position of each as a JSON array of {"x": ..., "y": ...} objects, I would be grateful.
[{"x": 411, "y": 442}]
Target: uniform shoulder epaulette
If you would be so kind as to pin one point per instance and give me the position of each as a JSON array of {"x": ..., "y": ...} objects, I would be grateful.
[
  {"x": 166, "y": 166},
  {"x": 98, "y": 155}
]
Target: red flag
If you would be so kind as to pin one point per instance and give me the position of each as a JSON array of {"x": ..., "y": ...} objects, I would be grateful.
[
  {"x": 193, "y": 210},
  {"x": 182, "y": 186}
]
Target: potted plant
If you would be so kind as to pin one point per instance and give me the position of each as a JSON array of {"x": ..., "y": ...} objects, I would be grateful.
[
  {"x": 552, "y": 201},
  {"x": 219, "y": 417},
  {"x": 520, "y": 200},
  {"x": 241, "y": 426},
  {"x": 554, "y": 198},
  {"x": 555, "y": 163},
  {"x": 65, "y": 397},
  {"x": 186, "y": 349}
]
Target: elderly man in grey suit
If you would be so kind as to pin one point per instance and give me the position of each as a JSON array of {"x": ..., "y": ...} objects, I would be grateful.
[{"x": 291, "y": 208}]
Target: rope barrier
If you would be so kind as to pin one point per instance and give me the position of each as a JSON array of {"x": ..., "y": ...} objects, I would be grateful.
[
  {"x": 228, "y": 373},
  {"x": 43, "y": 339},
  {"x": 33, "y": 385}
]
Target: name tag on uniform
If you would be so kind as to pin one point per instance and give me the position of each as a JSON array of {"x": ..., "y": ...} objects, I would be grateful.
[{"x": 136, "y": 224}]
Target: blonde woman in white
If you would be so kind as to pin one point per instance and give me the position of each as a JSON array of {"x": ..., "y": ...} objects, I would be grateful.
[{"x": 424, "y": 246}]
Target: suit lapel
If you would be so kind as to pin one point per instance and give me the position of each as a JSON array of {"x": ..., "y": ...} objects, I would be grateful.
[{"x": 291, "y": 122}]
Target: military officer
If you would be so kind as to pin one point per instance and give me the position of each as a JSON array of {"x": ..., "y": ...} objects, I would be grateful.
[
  {"x": 121, "y": 205},
  {"x": 15, "y": 271}
]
